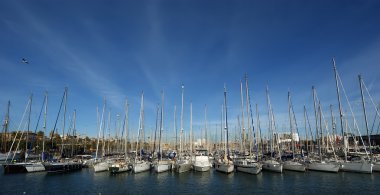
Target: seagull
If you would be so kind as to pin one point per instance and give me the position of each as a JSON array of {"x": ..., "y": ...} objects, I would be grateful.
[{"x": 23, "y": 60}]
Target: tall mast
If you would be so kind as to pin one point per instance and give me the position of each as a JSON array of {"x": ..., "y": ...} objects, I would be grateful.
[
  {"x": 44, "y": 127},
  {"x": 74, "y": 133},
  {"x": 98, "y": 126},
  {"x": 340, "y": 109},
  {"x": 118, "y": 134},
  {"x": 333, "y": 125},
  {"x": 316, "y": 109},
  {"x": 101, "y": 133},
  {"x": 161, "y": 123},
  {"x": 140, "y": 124},
  {"x": 242, "y": 117},
  {"x": 64, "y": 120},
  {"x": 258, "y": 126},
  {"x": 175, "y": 128},
  {"x": 109, "y": 131},
  {"x": 270, "y": 121},
  {"x": 248, "y": 115},
  {"x": 191, "y": 127},
  {"x": 320, "y": 128},
  {"x": 221, "y": 126},
  {"x": 155, "y": 132},
  {"x": 226, "y": 122},
  {"x": 126, "y": 129},
  {"x": 291, "y": 125},
  {"x": 206, "y": 143},
  {"x": 27, "y": 133},
  {"x": 365, "y": 115},
  {"x": 180, "y": 138},
  {"x": 304, "y": 116}
]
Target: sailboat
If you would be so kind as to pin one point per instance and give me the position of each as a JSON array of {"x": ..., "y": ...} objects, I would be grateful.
[
  {"x": 271, "y": 164},
  {"x": 224, "y": 164},
  {"x": 247, "y": 164},
  {"x": 62, "y": 166},
  {"x": 320, "y": 164},
  {"x": 101, "y": 164},
  {"x": 37, "y": 166},
  {"x": 140, "y": 165},
  {"x": 360, "y": 165},
  {"x": 293, "y": 164},
  {"x": 122, "y": 165},
  {"x": 183, "y": 163},
  {"x": 26, "y": 166},
  {"x": 162, "y": 165},
  {"x": 201, "y": 161}
]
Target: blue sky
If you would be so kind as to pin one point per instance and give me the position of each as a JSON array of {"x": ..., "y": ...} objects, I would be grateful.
[{"x": 116, "y": 50}]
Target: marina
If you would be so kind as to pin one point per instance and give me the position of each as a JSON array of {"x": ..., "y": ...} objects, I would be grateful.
[{"x": 189, "y": 97}]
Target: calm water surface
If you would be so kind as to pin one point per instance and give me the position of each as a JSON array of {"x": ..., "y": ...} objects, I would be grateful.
[{"x": 88, "y": 182}]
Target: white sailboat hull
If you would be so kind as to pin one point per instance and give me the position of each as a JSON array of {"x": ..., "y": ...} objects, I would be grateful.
[
  {"x": 201, "y": 168},
  {"x": 323, "y": 166},
  {"x": 101, "y": 166},
  {"x": 162, "y": 167},
  {"x": 35, "y": 167},
  {"x": 183, "y": 167},
  {"x": 360, "y": 167},
  {"x": 249, "y": 169},
  {"x": 119, "y": 168},
  {"x": 140, "y": 167},
  {"x": 201, "y": 163},
  {"x": 294, "y": 166},
  {"x": 272, "y": 165},
  {"x": 248, "y": 166},
  {"x": 225, "y": 168}
]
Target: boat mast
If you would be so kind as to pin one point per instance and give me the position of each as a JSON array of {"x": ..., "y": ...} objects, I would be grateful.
[
  {"x": 64, "y": 120},
  {"x": 291, "y": 126},
  {"x": 307, "y": 140},
  {"x": 206, "y": 141},
  {"x": 221, "y": 127},
  {"x": 109, "y": 131},
  {"x": 44, "y": 127},
  {"x": 161, "y": 124},
  {"x": 316, "y": 123},
  {"x": 365, "y": 115},
  {"x": 126, "y": 129},
  {"x": 28, "y": 129},
  {"x": 340, "y": 110},
  {"x": 226, "y": 122},
  {"x": 181, "y": 135},
  {"x": 155, "y": 132},
  {"x": 98, "y": 134},
  {"x": 191, "y": 127},
  {"x": 248, "y": 115},
  {"x": 140, "y": 125},
  {"x": 242, "y": 118},
  {"x": 175, "y": 128},
  {"x": 333, "y": 126},
  {"x": 321, "y": 127},
  {"x": 74, "y": 133},
  {"x": 258, "y": 126},
  {"x": 270, "y": 121}
]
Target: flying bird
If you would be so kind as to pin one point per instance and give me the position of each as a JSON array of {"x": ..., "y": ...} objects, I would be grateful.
[{"x": 23, "y": 60}]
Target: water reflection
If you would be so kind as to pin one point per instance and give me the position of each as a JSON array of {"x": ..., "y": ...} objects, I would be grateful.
[{"x": 88, "y": 182}]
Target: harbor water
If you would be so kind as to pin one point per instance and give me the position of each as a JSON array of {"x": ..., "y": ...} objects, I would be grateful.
[{"x": 88, "y": 182}]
